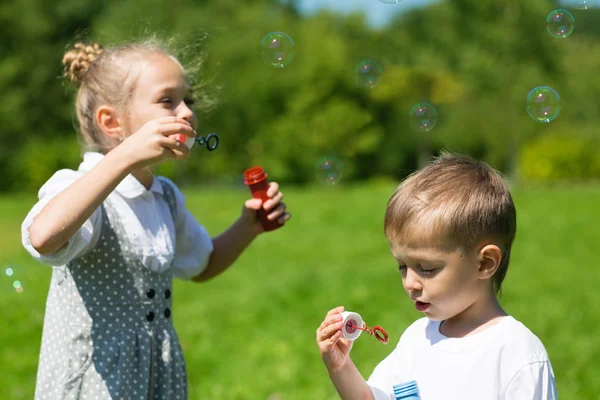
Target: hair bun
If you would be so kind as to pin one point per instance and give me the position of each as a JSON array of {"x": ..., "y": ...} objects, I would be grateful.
[{"x": 77, "y": 61}]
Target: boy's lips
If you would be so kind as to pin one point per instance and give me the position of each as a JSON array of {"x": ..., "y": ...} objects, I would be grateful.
[{"x": 421, "y": 306}]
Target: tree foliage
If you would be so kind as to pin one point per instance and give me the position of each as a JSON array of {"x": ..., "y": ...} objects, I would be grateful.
[{"x": 474, "y": 61}]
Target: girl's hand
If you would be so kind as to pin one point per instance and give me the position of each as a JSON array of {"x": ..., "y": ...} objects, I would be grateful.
[
  {"x": 151, "y": 144},
  {"x": 275, "y": 208},
  {"x": 333, "y": 347}
]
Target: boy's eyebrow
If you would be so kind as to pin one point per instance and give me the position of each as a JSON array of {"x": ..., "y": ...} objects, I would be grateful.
[{"x": 419, "y": 258}]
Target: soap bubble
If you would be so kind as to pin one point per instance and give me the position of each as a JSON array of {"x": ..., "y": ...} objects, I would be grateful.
[
  {"x": 560, "y": 23},
  {"x": 11, "y": 283},
  {"x": 277, "y": 49},
  {"x": 423, "y": 117},
  {"x": 367, "y": 73},
  {"x": 543, "y": 104},
  {"x": 329, "y": 170},
  {"x": 390, "y": 1},
  {"x": 582, "y": 5}
]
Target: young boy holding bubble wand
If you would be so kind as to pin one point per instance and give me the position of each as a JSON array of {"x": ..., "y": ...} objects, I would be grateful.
[
  {"x": 116, "y": 234},
  {"x": 450, "y": 228}
]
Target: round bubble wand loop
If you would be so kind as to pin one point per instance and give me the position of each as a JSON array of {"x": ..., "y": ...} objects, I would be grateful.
[
  {"x": 377, "y": 331},
  {"x": 207, "y": 141}
]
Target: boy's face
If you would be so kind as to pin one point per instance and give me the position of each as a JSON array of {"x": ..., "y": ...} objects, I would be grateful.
[
  {"x": 161, "y": 90},
  {"x": 441, "y": 284}
]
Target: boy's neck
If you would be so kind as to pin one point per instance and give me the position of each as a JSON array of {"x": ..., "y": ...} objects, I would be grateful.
[{"x": 476, "y": 318}]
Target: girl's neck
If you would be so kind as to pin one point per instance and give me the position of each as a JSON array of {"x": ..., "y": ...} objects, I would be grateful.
[{"x": 145, "y": 176}]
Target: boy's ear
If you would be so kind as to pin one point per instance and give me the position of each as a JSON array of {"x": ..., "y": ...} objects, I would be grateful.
[
  {"x": 489, "y": 258},
  {"x": 109, "y": 121}
]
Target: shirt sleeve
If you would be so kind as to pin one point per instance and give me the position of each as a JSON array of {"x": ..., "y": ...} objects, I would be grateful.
[
  {"x": 82, "y": 241},
  {"x": 534, "y": 381},
  {"x": 193, "y": 243}
]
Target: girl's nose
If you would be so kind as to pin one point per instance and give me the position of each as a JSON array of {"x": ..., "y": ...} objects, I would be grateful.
[{"x": 185, "y": 112}]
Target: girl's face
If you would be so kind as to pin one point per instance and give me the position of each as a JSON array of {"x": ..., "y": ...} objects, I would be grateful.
[{"x": 162, "y": 90}]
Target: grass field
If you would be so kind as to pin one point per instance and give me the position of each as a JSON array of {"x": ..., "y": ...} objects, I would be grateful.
[{"x": 250, "y": 334}]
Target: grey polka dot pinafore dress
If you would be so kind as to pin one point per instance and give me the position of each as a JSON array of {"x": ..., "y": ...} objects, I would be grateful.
[{"x": 108, "y": 332}]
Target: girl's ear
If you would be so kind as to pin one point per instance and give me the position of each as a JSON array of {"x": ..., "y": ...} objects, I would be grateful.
[
  {"x": 489, "y": 258},
  {"x": 109, "y": 122}
]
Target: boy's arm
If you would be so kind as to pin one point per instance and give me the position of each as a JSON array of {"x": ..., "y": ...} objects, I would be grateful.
[
  {"x": 535, "y": 381},
  {"x": 350, "y": 384}
]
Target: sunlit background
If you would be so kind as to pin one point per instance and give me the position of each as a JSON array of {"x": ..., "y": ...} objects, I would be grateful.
[{"x": 338, "y": 101}]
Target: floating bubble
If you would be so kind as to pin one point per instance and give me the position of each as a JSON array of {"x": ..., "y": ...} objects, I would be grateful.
[
  {"x": 560, "y": 23},
  {"x": 583, "y": 4},
  {"x": 11, "y": 284},
  {"x": 390, "y": 1},
  {"x": 329, "y": 170},
  {"x": 423, "y": 117},
  {"x": 277, "y": 49},
  {"x": 367, "y": 73},
  {"x": 543, "y": 104}
]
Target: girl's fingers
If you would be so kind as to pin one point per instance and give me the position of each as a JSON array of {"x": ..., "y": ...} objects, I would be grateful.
[
  {"x": 176, "y": 127},
  {"x": 273, "y": 188},
  {"x": 284, "y": 218},
  {"x": 176, "y": 147},
  {"x": 278, "y": 212},
  {"x": 272, "y": 202},
  {"x": 172, "y": 120}
]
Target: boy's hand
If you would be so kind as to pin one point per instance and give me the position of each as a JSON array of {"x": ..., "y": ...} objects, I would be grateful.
[
  {"x": 333, "y": 347},
  {"x": 275, "y": 208}
]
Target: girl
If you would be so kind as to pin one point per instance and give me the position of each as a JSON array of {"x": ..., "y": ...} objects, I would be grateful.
[{"x": 116, "y": 235}]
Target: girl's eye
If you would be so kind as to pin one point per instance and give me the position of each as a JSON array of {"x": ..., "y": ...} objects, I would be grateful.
[
  {"x": 166, "y": 100},
  {"x": 190, "y": 102}
]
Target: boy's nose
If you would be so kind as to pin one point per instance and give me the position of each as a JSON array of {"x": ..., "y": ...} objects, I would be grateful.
[{"x": 412, "y": 282}]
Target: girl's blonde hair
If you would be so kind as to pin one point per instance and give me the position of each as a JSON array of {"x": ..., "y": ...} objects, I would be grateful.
[
  {"x": 106, "y": 76},
  {"x": 458, "y": 202}
]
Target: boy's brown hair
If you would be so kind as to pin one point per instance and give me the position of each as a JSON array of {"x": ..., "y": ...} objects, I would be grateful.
[{"x": 458, "y": 201}]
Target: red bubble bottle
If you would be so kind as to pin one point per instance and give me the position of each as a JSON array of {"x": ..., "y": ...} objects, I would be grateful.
[{"x": 256, "y": 179}]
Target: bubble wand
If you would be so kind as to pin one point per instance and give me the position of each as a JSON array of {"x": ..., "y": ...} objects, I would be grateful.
[
  {"x": 353, "y": 326},
  {"x": 202, "y": 141}
]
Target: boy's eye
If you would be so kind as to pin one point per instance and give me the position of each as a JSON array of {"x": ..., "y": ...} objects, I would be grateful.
[
  {"x": 428, "y": 272},
  {"x": 401, "y": 268}
]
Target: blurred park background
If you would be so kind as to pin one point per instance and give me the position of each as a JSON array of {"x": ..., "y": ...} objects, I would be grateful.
[{"x": 250, "y": 333}]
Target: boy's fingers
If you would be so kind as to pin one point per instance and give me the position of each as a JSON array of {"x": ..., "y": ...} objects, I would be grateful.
[{"x": 337, "y": 310}]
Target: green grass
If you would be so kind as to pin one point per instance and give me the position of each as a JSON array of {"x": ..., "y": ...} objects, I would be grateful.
[{"x": 250, "y": 334}]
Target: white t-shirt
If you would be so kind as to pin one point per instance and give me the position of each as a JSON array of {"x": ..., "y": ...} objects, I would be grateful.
[
  {"x": 160, "y": 242},
  {"x": 503, "y": 362}
]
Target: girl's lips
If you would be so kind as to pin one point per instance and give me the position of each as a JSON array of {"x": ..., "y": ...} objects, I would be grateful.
[{"x": 421, "y": 306}]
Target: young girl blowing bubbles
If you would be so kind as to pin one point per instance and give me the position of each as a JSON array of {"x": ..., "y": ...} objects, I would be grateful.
[{"x": 116, "y": 235}]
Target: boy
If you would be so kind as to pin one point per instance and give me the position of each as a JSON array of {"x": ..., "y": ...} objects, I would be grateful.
[{"x": 450, "y": 227}]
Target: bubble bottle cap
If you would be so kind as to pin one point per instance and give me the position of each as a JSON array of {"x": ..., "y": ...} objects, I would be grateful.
[
  {"x": 256, "y": 179},
  {"x": 407, "y": 391}
]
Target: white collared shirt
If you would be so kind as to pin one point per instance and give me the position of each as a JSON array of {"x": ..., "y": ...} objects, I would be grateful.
[{"x": 159, "y": 242}]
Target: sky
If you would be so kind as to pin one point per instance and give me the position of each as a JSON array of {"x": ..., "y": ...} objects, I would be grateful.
[{"x": 378, "y": 13}]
